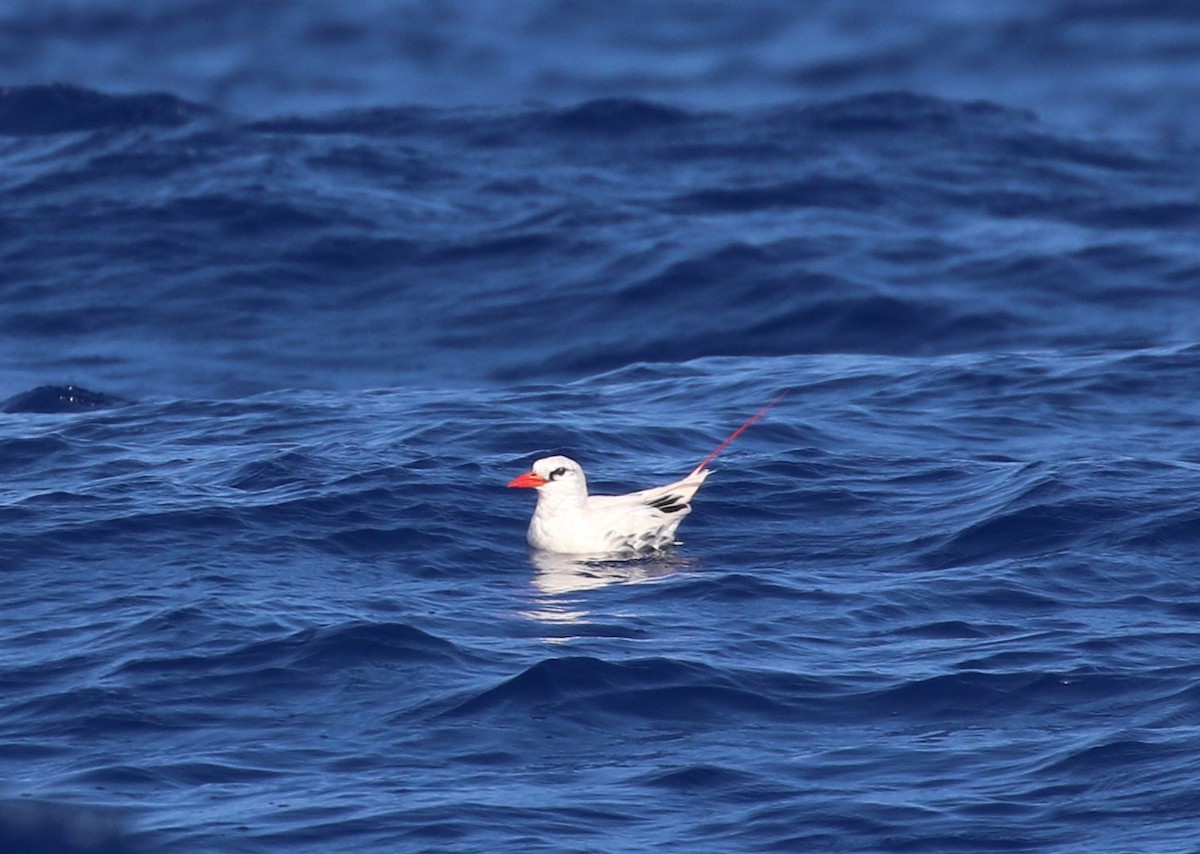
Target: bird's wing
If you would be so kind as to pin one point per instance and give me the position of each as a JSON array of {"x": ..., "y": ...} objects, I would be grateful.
[{"x": 668, "y": 499}]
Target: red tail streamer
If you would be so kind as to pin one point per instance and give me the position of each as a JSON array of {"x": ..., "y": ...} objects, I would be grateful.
[{"x": 739, "y": 432}]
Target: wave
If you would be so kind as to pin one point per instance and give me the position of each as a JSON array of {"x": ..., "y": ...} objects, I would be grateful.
[
  {"x": 652, "y": 689},
  {"x": 62, "y": 108},
  {"x": 1027, "y": 238},
  {"x": 53, "y": 399}
]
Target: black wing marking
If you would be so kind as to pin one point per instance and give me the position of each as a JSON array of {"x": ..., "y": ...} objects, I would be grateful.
[{"x": 669, "y": 503}]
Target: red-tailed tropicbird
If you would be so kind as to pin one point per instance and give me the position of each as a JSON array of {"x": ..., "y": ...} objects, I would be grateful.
[{"x": 569, "y": 521}]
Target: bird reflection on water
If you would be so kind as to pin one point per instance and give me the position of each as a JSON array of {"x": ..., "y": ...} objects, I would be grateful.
[
  {"x": 558, "y": 573},
  {"x": 558, "y": 576}
]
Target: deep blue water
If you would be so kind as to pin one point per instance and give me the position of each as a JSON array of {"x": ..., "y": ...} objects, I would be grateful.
[{"x": 290, "y": 291}]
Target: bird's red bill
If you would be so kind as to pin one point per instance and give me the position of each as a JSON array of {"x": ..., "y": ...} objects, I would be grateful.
[{"x": 528, "y": 479}]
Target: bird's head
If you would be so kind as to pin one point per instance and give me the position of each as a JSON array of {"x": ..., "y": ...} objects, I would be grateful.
[{"x": 554, "y": 475}]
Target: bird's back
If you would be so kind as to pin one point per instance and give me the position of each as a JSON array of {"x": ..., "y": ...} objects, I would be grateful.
[{"x": 643, "y": 520}]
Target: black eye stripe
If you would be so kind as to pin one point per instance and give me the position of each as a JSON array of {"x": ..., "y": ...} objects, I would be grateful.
[{"x": 558, "y": 472}]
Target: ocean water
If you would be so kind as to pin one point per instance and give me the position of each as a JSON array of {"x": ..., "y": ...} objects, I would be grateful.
[{"x": 291, "y": 291}]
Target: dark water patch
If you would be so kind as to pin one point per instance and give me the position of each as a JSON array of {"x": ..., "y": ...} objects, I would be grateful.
[
  {"x": 392, "y": 121},
  {"x": 1169, "y": 529},
  {"x": 739, "y": 587},
  {"x": 1040, "y": 528},
  {"x": 766, "y": 310},
  {"x": 290, "y": 468},
  {"x": 62, "y": 670},
  {"x": 1042, "y": 147},
  {"x": 30, "y": 752},
  {"x": 1165, "y": 215},
  {"x": 1027, "y": 271},
  {"x": 360, "y": 252},
  {"x": 213, "y": 773},
  {"x": 405, "y": 167},
  {"x": 1026, "y": 693},
  {"x": 70, "y": 324},
  {"x": 818, "y": 192},
  {"x": 498, "y": 249},
  {"x": 1041, "y": 657},
  {"x": 945, "y": 629},
  {"x": 142, "y": 508},
  {"x": 324, "y": 649},
  {"x": 62, "y": 108},
  {"x": 493, "y": 758},
  {"x": 891, "y": 112},
  {"x": 475, "y": 824},
  {"x": 712, "y": 270},
  {"x": 400, "y": 540},
  {"x": 119, "y": 775},
  {"x": 698, "y": 778},
  {"x": 1105, "y": 758},
  {"x": 31, "y": 453},
  {"x": 141, "y": 165},
  {"x": 44, "y": 827},
  {"x": 866, "y": 321},
  {"x": 653, "y": 689},
  {"x": 616, "y": 117},
  {"x": 119, "y": 711},
  {"x": 104, "y": 528},
  {"x": 959, "y": 696},
  {"x": 360, "y": 643},
  {"x": 239, "y": 217},
  {"x": 64, "y": 398}
]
